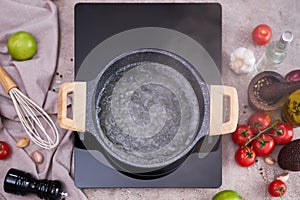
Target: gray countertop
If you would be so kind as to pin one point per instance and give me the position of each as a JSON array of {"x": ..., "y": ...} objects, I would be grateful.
[{"x": 239, "y": 17}]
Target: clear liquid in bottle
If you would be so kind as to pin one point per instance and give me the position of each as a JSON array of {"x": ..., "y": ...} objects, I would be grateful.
[{"x": 275, "y": 53}]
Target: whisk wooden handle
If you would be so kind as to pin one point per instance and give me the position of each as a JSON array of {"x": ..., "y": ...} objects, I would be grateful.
[{"x": 6, "y": 80}]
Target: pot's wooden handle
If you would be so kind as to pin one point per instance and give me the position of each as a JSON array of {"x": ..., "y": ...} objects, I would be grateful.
[
  {"x": 6, "y": 80},
  {"x": 78, "y": 89},
  {"x": 217, "y": 95}
]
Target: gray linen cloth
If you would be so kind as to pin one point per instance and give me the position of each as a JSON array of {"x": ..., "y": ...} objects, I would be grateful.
[{"x": 33, "y": 77}]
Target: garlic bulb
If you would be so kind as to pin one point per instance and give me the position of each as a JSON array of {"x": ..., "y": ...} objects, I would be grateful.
[{"x": 242, "y": 60}]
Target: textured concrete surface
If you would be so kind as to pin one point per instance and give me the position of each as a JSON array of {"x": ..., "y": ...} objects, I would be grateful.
[{"x": 239, "y": 18}]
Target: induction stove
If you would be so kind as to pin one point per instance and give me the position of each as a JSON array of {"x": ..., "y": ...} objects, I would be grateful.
[{"x": 105, "y": 30}]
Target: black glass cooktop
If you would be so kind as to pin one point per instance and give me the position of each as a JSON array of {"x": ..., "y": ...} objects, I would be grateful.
[{"x": 103, "y": 31}]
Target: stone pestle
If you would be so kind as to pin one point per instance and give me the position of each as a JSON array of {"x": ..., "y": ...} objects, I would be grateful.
[{"x": 278, "y": 89}]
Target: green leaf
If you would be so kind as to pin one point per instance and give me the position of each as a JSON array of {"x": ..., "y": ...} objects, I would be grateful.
[
  {"x": 279, "y": 131},
  {"x": 280, "y": 190},
  {"x": 249, "y": 153},
  {"x": 262, "y": 143},
  {"x": 257, "y": 124},
  {"x": 244, "y": 133}
]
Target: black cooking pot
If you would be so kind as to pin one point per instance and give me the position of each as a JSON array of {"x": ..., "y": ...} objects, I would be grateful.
[{"x": 147, "y": 108}]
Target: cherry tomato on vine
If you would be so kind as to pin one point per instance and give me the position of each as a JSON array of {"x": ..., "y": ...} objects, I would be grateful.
[
  {"x": 4, "y": 150},
  {"x": 245, "y": 156},
  {"x": 277, "y": 188},
  {"x": 261, "y": 34},
  {"x": 282, "y": 133},
  {"x": 242, "y": 134},
  {"x": 263, "y": 145},
  {"x": 259, "y": 121}
]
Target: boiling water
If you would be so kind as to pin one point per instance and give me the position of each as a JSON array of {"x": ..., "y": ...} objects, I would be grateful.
[{"x": 149, "y": 113}]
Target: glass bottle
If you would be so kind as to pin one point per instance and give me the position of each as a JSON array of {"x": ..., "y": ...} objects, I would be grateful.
[
  {"x": 275, "y": 52},
  {"x": 291, "y": 110}
]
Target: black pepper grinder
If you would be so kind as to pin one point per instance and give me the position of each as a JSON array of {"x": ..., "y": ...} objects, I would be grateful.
[{"x": 22, "y": 183}]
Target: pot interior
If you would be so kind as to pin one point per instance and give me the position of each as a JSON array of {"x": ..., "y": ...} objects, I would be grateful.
[{"x": 149, "y": 107}]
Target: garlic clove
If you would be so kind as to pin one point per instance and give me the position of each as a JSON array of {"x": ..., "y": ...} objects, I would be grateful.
[
  {"x": 242, "y": 60},
  {"x": 283, "y": 177},
  {"x": 37, "y": 157},
  {"x": 269, "y": 160},
  {"x": 23, "y": 142}
]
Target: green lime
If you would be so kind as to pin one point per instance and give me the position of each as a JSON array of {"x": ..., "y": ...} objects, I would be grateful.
[
  {"x": 21, "y": 45},
  {"x": 227, "y": 195}
]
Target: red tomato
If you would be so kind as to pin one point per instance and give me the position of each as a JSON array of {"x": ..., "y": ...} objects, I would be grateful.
[
  {"x": 261, "y": 34},
  {"x": 282, "y": 133},
  {"x": 245, "y": 156},
  {"x": 259, "y": 121},
  {"x": 277, "y": 188},
  {"x": 4, "y": 150},
  {"x": 264, "y": 145},
  {"x": 242, "y": 134}
]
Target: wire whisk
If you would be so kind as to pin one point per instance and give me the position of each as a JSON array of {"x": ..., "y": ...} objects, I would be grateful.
[{"x": 35, "y": 121}]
